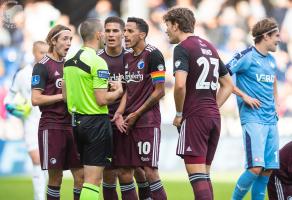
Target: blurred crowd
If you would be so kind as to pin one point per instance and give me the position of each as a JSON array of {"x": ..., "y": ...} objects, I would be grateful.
[{"x": 226, "y": 23}]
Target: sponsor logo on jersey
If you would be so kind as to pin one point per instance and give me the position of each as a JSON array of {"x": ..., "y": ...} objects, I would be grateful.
[
  {"x": 189, "y": 149},
  {"x": 126, "y": 66},
  {"x": 141, "y": 64},
  {"x": 265, "y": 78},
  {"x": 59, "y": 83},
  {"x": 103, "y": 74},
  {"x": 177, "y": 63},
  {"x": 133, "y": 77},
  {"x": 145, "y": 159},
  {"x": 116, "y": 77},
  {"x": 35, "y": 79}
]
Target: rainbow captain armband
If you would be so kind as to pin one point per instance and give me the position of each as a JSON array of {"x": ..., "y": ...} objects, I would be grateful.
[
  {"x": 158, "y": 77},
  {"x": 21, "y": 111}
]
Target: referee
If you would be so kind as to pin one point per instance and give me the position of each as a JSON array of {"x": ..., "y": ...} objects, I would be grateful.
[{"x": 85, "y": 87}]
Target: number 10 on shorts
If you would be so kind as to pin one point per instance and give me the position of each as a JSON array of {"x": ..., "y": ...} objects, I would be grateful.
[{"x": 144, "y": 147}]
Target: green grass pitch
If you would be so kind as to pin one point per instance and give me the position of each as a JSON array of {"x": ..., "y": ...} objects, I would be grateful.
[{"x": 20, "y": 188}]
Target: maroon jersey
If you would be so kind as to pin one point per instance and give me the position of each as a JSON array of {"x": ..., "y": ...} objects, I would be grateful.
[
  {"x": 285, "y": 171},
  {"x": 142, "y": 72},
  {"x": 47, "y": 76},
  {"x": 116, "y": 69},
  {"x": 201, "y": 61}
]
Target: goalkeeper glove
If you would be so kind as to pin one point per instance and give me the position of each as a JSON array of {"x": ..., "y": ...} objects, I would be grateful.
[{"x": 21, "y": 110}]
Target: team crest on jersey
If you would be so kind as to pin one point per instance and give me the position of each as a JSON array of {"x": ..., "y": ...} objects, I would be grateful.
[
  {"x": 160, "y": 67},
  {"x": 141, "y": 64},
  {"x": 35, "y": 79},
  {"x": 59, "y": 83},
  {"x": 53, "y": 161},
  {"x": 289, "y": 198},
  {"x": 177, "y": 63}
]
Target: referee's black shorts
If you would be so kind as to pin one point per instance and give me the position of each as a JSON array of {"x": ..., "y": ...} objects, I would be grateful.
[{"x": 93, "y": 134}]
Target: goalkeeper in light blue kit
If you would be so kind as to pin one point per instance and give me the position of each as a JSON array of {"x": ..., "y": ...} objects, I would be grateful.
[
  {"x": 18, "y": 103},
  {"x": 256, "y": 90}
]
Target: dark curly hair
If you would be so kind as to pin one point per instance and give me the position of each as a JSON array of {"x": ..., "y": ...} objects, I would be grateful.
[{"x": 184, "y": 17}]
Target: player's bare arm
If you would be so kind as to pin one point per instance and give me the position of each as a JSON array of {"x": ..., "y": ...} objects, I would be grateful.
[
  {"x": 118, "y": 116},
  {"x": 153, "y": 99},
  {"x": 179, "y": 95},
  {"x": 64, "y": 93},
  {"x": 104, "y": 97},
  {"x": 225, "y": 90},
  {"x": 39, "y": 99},
  {"x": 252, "y": 102}
]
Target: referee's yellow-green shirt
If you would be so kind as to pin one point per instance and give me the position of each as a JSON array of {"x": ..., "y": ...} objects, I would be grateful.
[{"x": 83, "y": 73}]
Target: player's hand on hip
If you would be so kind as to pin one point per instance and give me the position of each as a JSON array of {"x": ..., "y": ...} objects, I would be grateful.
[
  {"x": 120, "y": 123},
  {"x": 131, "y": 120},
  {"x": 177, "y": 121},
  {"x": 252, "y": 102}
]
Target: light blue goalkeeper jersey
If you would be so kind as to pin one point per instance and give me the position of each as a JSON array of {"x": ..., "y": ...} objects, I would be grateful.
[{"x": 255, "y": 75}]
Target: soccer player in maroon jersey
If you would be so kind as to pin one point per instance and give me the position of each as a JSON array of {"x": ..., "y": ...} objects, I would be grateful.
[
  {"x": 113, "y": 54},
  {"x": 280, "y": 182},
  {"x": 139, "y": 146},
  {"x": 57, "y": 148},
  {"x": 197, "y": 71}
]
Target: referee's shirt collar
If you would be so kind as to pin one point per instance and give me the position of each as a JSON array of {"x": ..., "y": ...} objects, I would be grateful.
[{"x": 88, "y": 49}]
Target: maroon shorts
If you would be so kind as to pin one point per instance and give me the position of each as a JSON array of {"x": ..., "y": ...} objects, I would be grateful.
[
  {"x": 199, "y": 138},
  {"x": 137, "y": 149},
  {"x": 58, "y": 150},
  {"x": 277, "y": 190}
]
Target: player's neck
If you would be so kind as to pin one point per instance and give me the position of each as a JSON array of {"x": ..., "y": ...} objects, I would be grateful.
[
  {"x": 116, "y": 51},
  {"x": 139, "y": 48},
  {"x": 261, "y": 48},
  {"x": 183, "y": 36},
  {"x": 55, "y": 56}
]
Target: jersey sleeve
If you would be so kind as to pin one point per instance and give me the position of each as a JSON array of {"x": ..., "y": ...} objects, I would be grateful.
[
  {"x": 39, "y": 76},
  {"x": 100, "y": 74},
  {"x": 239, "y": 63},
  {"x": 157, "y": 67},
  {"x": 180, "y": 59},
  {"x": 222, "y": 69}
]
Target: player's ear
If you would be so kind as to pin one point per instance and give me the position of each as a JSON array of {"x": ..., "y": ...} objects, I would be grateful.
[
  {"x": 142, "y": 35},
  {"x": 54, "y": 41},
  {"x": 175, "y": 26}
]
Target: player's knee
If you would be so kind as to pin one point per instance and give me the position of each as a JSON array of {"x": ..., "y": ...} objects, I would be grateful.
[
  {"x": 109, "y": 176},
  {"x": 256, "y": 170},
  {"x": 140, "y": 174},
  {"x": 78, "y": 178},
  {"x": 267, "y": 172},
  {"x": 151, "y": 174},
  {"x": 55, "y": 177},
  {"x": 126, "y": 175}
]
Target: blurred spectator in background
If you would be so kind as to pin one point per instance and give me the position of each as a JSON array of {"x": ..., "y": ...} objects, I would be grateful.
[{"x": 102, "y": 10}]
